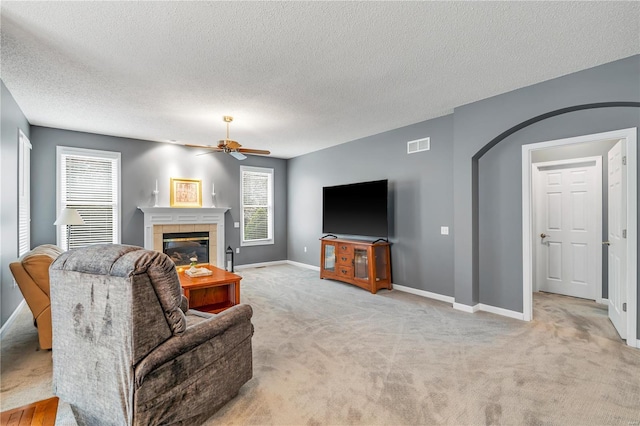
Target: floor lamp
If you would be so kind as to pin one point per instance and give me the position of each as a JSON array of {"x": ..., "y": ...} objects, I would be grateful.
[{"x": 69, "y": 217}]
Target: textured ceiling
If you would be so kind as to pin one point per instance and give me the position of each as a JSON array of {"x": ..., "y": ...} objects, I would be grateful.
[{"x": 297, "y": 76}]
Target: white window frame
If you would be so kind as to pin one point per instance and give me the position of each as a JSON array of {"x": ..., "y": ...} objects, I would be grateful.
[
  {"x": 270, "y": 238},
  {"x": 94, "y": 153},
  {"x": 24, "y": 193}
]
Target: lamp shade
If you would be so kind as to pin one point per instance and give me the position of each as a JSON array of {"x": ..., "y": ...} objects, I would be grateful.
[{"x": 69, "y": 217}]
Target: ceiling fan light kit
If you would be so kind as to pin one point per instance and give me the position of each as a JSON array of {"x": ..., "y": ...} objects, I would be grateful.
[{"x": 231, "y": 147}]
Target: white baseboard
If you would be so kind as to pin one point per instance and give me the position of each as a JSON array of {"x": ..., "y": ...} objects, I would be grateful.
[
  {"x": 304, "y": 265},
  {"x": 638, "y": 343},
  {"x": 424, "y": 293},
  {"x": 274, "y": 263},
  {"x": 488, "y": 308},
  {"x": 466, "y": 308},
  {"x": 259, "y": 265},
  {"x": 603, "y": 301},
  {"x": 12, "y": 318},
  {"x": 501, "y": 311}
]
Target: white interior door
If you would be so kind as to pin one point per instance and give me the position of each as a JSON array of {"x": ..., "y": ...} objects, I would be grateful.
[
  {"x": 569, "y": 227},
  {"x": 617, "y": 256}
]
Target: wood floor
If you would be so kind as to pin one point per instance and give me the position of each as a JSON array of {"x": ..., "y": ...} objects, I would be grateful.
[{"x": 41, "y": 413}]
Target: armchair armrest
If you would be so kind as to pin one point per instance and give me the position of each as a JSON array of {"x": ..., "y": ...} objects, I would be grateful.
[{"x": 238, "y": 316}]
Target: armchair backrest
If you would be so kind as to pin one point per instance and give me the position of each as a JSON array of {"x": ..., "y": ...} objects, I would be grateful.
[
  {"x": 111, "y": 305},
  {"x": 31, "y": 272}
]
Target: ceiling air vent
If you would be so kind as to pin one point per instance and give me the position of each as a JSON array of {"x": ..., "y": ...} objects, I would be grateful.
[{"x": 418, "y": 145}]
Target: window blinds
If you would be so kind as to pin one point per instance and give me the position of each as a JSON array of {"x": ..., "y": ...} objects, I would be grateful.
[
  {"x": 24, "y": 195},
  {"x": 89, "y": 184}
]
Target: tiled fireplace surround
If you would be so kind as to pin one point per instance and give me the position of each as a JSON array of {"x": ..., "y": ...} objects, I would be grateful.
[{"x": 163, "y": 220}]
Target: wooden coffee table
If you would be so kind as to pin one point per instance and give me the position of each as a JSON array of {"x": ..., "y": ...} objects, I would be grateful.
[{"x": 212, "y": 293}]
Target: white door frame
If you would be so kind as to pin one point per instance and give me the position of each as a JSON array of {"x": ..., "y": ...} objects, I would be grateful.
[
  {"x": 629, "y": 137},
  {"x": 536, "y": 174}
]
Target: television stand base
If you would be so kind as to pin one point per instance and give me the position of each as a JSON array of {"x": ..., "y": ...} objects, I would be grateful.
[{"x": 361, "y": 263}]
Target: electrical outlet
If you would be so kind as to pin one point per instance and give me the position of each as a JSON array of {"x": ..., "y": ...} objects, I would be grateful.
[
  {"x": 305, "y": 249},
  {"x": 236, "y": 224},
  {"x": 444, "y": 230},
  {"x": 237, "y": 250}
]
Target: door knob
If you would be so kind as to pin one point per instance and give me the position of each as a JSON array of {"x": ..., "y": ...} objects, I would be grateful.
[
  {"x": 543, "y": 235},
  {"x": 606, "y": 243}
]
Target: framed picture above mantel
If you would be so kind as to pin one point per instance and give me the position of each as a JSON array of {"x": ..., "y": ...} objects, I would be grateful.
[{"x": 186, "y": 192}]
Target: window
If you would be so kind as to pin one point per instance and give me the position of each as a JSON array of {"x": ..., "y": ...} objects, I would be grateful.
[
  {"x": 89, "y": 181},
  {"x": 256, "y": 205},
  {"x": 24, "y": 194}
]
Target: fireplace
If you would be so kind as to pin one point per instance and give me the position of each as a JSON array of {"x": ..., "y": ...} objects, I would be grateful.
[
  {"x": 182, "y": 246},
  {"x": 172, "y": 220}
]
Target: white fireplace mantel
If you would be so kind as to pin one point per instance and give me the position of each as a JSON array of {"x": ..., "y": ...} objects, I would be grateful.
[{"x": 184, "y": 216}]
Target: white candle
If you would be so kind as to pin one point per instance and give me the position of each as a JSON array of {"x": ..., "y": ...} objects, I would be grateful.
[
  {"x": 156, "y": 184},
  {"x": 213, "y": 188}
]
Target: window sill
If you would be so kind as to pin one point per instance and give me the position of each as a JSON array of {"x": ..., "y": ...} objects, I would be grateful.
[{"x": 256, "y": 243}]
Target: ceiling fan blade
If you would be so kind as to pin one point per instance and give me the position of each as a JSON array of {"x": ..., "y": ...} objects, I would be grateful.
[
  {"x": 237, "y": 155},
  {"x": 213, "y": 151},
  {"x": 254, "y": 151}
]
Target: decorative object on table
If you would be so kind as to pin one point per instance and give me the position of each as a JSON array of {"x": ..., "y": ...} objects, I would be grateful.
[
  {"x": 192, "y": 265},
  {"x": 155, "y": 194},
  {"x": 198, "y": 272},
  {"x": 229, "y": 253},
  {"x": 231, "y": 147},
  {"x": 186, "y": 192},
  {"x": 69, "y": 217}
]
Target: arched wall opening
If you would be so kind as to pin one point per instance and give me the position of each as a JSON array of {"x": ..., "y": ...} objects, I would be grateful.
[{"x": 497, "y": 193}]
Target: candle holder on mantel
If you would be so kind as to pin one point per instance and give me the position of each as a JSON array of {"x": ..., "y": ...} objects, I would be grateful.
[
  {"x": 213, "y": 199},
  {"x": 155, "y": 195}
]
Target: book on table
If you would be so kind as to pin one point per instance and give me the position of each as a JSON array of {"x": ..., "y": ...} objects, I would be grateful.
[{"x": 198, "y": 272}]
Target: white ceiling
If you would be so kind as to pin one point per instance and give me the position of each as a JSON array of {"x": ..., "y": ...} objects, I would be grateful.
[{"x": 297, "y": 76}]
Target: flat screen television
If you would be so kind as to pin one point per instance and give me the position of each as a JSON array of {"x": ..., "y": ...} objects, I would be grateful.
[{"x": 356, "y": 209}]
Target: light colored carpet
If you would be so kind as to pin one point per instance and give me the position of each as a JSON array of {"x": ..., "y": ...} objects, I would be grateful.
[{"x": 330, "y": 353}]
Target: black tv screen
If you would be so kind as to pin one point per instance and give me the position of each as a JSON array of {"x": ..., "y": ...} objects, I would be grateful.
[{"x": 355, "y": 209}]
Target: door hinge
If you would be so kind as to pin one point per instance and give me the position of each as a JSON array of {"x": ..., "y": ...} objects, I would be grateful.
[
  {"x": 624, "y": 307},
  {"x": 624, "y": 160},
  {"x": 624, "y": 233}
]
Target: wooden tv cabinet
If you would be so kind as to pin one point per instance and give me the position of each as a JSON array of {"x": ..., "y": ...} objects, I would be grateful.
[{"x": 361, "y": 263}]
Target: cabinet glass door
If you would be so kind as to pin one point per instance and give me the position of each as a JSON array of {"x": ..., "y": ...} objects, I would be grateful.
[
  {"x": 361, "y": 264},
  {"x": 381, "y": 263},
  {"x": 329, "y": 257}
]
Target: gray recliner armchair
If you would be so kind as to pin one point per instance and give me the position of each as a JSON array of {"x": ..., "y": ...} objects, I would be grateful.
[{"x": 125, "y": 352}]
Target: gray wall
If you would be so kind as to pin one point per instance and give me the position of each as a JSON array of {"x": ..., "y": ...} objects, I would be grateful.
[
  {"x": 587, "y": 149},
  {"x": 142, "y": 163},
  {"x": 420, "y": 199},
  {"x": 13, "y": 120}
]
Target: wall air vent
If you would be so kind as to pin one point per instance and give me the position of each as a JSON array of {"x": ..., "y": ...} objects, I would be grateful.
[{"x": 418, "y": 145}]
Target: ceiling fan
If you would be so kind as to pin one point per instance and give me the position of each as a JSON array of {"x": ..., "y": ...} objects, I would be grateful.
[{"x": 230, "y": 146}]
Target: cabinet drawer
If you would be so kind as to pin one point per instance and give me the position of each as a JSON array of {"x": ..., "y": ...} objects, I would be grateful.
[
  {"x": 344, "y": 259},
  {"x": 344, "y": 271},
  {"x": 345, "y": 249}
]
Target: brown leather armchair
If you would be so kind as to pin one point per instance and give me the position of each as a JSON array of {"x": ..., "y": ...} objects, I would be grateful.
[{"x": 31, "y": 272}]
